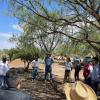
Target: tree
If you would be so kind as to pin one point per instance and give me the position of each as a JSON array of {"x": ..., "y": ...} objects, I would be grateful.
[
  {"x": 26, "y": 54},
  {"x": 38, "y": 32},
  {"x": 71, "y": 14},
  {"x": 73, "y": 48},
  {"x": 11, "y": 53}
]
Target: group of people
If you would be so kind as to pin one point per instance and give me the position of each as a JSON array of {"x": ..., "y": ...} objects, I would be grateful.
[
  {"x": 48, "y": 67},
  {"x": 91, "y": 71},
  {"x": 9, "y": 78},
  {"x": 11, "y": 83}
]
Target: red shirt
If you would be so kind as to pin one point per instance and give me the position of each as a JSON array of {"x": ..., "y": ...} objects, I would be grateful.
[{"x": 86, "y": 71}]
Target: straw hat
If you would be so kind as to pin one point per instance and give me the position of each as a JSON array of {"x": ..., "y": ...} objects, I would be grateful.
[{"x": 79, "y": 91}]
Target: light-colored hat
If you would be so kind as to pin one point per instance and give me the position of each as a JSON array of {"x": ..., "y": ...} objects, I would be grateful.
[{"x": 79, "y": 91}]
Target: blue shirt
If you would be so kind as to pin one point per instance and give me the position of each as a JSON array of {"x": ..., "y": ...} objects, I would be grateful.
[
  {"x": 68, "y": 65},
  {"x": 95, "y": 75},
  {"x": 48, "y": 61}
]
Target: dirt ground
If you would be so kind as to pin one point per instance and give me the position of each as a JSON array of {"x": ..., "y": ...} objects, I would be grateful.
[
  {"x": 41, "y": 90},
  {"x": 58, "y": 69}
]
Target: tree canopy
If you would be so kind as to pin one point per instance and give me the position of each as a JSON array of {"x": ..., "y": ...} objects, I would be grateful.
[{"x": 69, "y": 17}]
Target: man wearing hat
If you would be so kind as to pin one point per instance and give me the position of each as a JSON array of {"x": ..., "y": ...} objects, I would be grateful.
[
  {"x": 79, "y": 91},
  {"x": 95, "y": 76}
]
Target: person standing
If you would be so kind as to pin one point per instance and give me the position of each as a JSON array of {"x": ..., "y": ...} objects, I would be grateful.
[
  {"x": 95, "y": 76},
  {"x": 77, "y": 69},
  {"x": 87, "y": 70},
  {"x": 48, "y": 66},
  {"x": 35, "y": 66},
  {"x": 68, "y": 68},
  {"x": 3, "y": 70}
]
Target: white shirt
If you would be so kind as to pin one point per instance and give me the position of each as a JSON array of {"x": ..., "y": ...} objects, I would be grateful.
[
  {"x": 3, "y": 68},
  {"x": 35, "y": 63}
]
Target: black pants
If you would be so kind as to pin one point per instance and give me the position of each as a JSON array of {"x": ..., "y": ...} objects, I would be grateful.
[
  {"x": 88, "y": 81},
  {"x": 66, "y": 76},
  {"x": 76, "y": 75},
  {"x": 95, "y": 86},
  {"x": 48, "y": 69}
]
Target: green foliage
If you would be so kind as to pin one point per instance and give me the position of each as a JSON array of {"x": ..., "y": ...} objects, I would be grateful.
[
  {"x": 59, "y": 16},
  {"x": 74, "y": 49},
  {"x": 11, "y": 53},
  {"x": 25, "y": 54}
]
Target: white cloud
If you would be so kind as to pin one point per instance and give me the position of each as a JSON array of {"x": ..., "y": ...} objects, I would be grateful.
[
  {"x": 5, "y": 35},
  {"x": 17, "y": 27},
  {"x": 6, "y": 44},
  {"x": 4, "y": 41}
]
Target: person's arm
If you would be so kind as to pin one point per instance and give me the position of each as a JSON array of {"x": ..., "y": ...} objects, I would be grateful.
[
  {"x": 52, "y": 60},
  {"x": 19, "y": 82}
]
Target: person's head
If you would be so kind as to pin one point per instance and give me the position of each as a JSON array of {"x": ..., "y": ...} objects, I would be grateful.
[
  {"x": 13, "y": 80},
  {"x": 68, "y": 59},
  {"x": 12, "y": 72},
  {"x": 48, "y": 54},
  {"x": 77, "y": 61},
  {"x": 95, "y": 60},
  {"x": 36, "y": 59},
  {"x": 4, "y": 59}
]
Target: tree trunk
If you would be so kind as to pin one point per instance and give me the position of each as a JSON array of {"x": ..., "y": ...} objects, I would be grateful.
[
  {"x": 98, "y": 56},
  {"x": 26, "y": 68},
  {"x": 24, "y": 63}
]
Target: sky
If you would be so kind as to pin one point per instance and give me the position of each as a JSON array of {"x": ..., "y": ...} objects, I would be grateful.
[{"x": 8, "y": 26}]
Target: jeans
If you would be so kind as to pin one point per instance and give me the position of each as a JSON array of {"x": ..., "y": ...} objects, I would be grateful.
[
  {"x": 88, "y": 81},
  {"x": 95, "y": 86},
  {"x": 48, "y": 69},
  {"x": 1, "y": 81},
  {"x": 67, "y": 75},
  {"x": 34, "y": 73}
]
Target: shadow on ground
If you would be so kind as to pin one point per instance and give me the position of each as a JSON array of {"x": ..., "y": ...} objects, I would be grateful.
[{"x": 41, "y": 90}]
